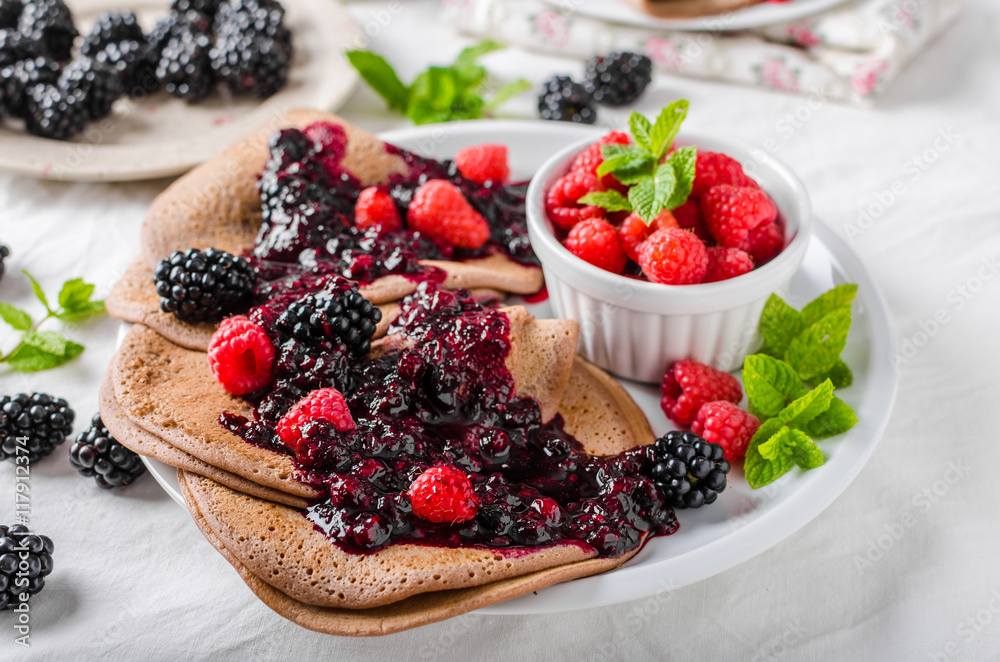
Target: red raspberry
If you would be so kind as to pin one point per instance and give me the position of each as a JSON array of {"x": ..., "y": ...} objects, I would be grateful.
[
  {"x": 241, "y": 356},
  {"x": 443, "y": 494},
  {"x": 673, "y": 257},
  {"x": 732, "y": 211},
  {"x": 375, "y": 207},
  {"x": 325, "y": 403},
  {"x": 561, "y": 201},
  {"x": 765, "y": 242},
  {"x": 687, "y": 385},
  {"x": 689, "y": 217},
  {"x": 590, "y": 158},
  {"x": 724, "y": 423},
  {"x": 596, "y": 241},
  {"x": 482, "y": 163},
  {"x": 725, "y": 263},
  {"x": 714, "y": 168},
  {"x": 615, "y": 138},
  {"x": 633, "y": 231},
  {"x": 439, "y": 209}
]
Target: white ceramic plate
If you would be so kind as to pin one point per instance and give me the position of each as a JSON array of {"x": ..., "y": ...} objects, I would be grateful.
[
  {"x": 754, "y": 16},
  {"x": 159, "y": 135},
  {"x": 743, "y": 522}
]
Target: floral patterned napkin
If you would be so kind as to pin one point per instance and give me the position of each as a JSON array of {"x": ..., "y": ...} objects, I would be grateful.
[{"x": 850, "y": 53}]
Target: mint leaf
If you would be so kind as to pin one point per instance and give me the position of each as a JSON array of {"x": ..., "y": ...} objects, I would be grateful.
[
  {"x": 31, "y": 358},
  {"x": 683, "y": 162},
  {"x": 382, "y": 78},
  {"x": 16, "y": 317},
  {"x": 841, "y": 296},
  {"x": 665, "y": 129},
  {"x": 809, "y": 406},
  {"x": 779, "y": 324},
  {"x": 610, "y": 200},
  {"x": 642, "y": 196},
  {"x": 508, "y": 91},
  {"x": 806, "y": 453},
  {"x": 837, "y": 419},
  {"x": 758, "y": 470},
  {"x": 467, "y": 58},
  {"x": 640, "y": 127},
  {"x": 769, "y": 385},
  {"x": 433, "y": 96},
  {"x": 665, "y": 183},
  {"x": 75, "y": 293},
  {"x": 780, "y": 443},
  {"x": 840, "y": 374},
  {"x": 47, "y": 341},
  {"x": 818, "y": 348},
  {"x": 37, "y": 289},
  {"x": 628, "y": 163}
]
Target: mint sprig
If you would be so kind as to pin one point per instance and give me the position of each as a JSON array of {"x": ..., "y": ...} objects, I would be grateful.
[
  {"x": 655, "y": 183},
  {"x": 439, "y": 93},
  {"x": 41, "y": 350}
]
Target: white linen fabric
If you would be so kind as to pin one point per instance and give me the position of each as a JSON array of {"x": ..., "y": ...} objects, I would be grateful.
[{"x": 901, "y": 567}]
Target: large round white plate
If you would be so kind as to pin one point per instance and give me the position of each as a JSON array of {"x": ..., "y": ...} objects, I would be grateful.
[
  {"x": 159, "y": 135},
  {"x": 743, "y": 522},
  {"x": 754, "y": 16}
]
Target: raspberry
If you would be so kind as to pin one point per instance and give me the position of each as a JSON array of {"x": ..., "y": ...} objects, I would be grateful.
[
  {"x": 633, "y": 231},
  {"x": 726, "y": 424},
  {"x": 732, "y": 211},
  {"x": 615, "y": 138},
  {"x": 483, "y": 163},
  {"x": 375, "y": 207},
  {"x": 689, "y": 217},
  {"x": 325, "y": 403},
  {"x": 713, "y": 168},
  {"x": 561, "y": 201},
  {"x": 590, "y": 158},
  {"x": 725, "y": 263},
  {"x": 241, "y": 356},
  {"x": 440, "y": 210},
  {"x": 765, "y": 242},
  {"x": 443, "y": 494},
  {"x": 687, "y": 385},
  {"x": 596, "y": 241},
  {"x": 674, "y": 257}
]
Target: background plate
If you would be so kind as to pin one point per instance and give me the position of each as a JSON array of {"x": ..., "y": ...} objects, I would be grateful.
[
  {"x": 159, "y": 135},
  {"x": 743, "y": 522}
]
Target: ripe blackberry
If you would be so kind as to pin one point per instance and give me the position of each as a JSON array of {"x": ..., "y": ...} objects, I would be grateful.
[
  {"x": 111, "y": 28},
  {"x": 25, "y": 562},
  {"x": 14, "y": 47},
  {"x": 207, "y": 7},
  {"x": 49, "y": 25},
  {"x": 17, "y": 78},
  {"x": 201, "y": 286},
  {"x": 133, "y": 62},
  {"x": 185, "y": 65},
  {"x": 4, "y": 254},
  {"x": 617, "y": 79},
  {"x": 348, "y": 316},
  {"x": 96, "y": 453},
  {"x": 97, "y": 85},
  {"x": 565, "y": 101},
  {"x": 45, "y": 422},
  {"x": 54, "y": 113},
  {"x": 10, "y": 12},
  {"x": 251, "y": 63},
  {"x": 689, "y": 471},
  {"x": 246, "y": 17}
]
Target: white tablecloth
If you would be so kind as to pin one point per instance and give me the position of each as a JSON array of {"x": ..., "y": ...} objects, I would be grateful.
[{"x": 903, "y": 566}]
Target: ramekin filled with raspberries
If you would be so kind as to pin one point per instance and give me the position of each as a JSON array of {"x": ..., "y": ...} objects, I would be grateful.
[{"x": 662, "y": 246}]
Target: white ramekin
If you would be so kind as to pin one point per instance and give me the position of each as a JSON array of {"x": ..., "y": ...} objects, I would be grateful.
[{"x": 635, "y": 328}]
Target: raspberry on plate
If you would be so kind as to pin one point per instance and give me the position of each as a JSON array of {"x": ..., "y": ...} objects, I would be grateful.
[
  {"x": 725, "y": 262},
  {"x": 687, "y": 385},
  {"x": 673, "y": 257},
  {"x": 562, "y": 200},
  {"x": 731, "y": 212},
  {"x": 594, "y": 240},
  {"x": 241, "y": 356},
  {"x": 689, "y": 217},
  {"x": 375, "y": 207},
  {"x": 765, "y": 242},
  {"x": 325, "y": 403},
  {"x": 724, "y": 423},
  {"x": 714, "y": 168},
  {"x": 633, "y": 231},
  {"x": 440, "y": 210},
  {"x": 443, "y": 494},
  {"x": 483, "y": 163}
]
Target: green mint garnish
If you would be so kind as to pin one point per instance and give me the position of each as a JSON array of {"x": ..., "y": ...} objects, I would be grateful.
[
  {"x": 439, "y": 93},
  {"x": 41, "y": 350},
  {"x": 655, "y": 184}
]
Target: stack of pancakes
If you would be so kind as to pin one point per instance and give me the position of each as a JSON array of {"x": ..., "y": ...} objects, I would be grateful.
[{"x": 160, "y": 399}]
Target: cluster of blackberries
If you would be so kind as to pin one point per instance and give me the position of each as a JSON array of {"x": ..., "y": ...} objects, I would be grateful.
[
  {"x": 97, "y": 454},
  {"x": 689, "y": 471},
  {"x": 33, "y": 425},
  {"x": 615, "y": 79},
  {"x": 204, "y": 286},
  {"x": 25, "y": 562},
  {"x": 347, "y": 316}
]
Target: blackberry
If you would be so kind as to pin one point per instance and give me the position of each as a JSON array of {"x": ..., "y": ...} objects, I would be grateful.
[
  {"x": 247, "y": 17},
  {"x": 4, "y": 254},
  {"x": 25, "y": 562},
  {"x": 112, "y": 27},
  {"x": 49, "y": 25},
  {"x": 10, "y": 12},
  {"x": 14, "y": 47},
  {"x": 617, "y": 79},
  {"x": 565, "y": 101},
  {"x": 54, "y": 113},
  {"x": 348, "y": 316},
  {"x": 185, "y": 65},
  {"x": 96, "y": 453},
  {"x": 203, "y": 286},
  {"x": 97, "y": 85},
  {"x": 17, "y": 78},
  {"x": 134, "y": 63},
  {"x": 206, "y": 7},
  {"x": 689, "y": 471},
  {"x": 251, "y": 63},
  {"x": 45, "y": 422}
]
